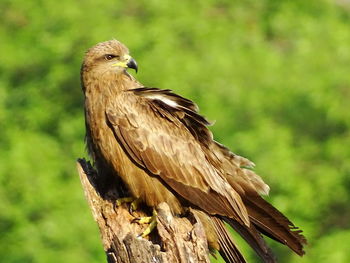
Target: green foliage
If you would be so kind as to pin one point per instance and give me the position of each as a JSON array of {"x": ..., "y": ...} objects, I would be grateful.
[{"x": 273, "y": 74}]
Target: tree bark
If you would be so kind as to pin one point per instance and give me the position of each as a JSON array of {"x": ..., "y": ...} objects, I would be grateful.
[{"x": 175, "y": 240}]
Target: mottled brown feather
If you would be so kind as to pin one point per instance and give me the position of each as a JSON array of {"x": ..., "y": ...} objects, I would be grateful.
[{"x": 157, "y": 143}]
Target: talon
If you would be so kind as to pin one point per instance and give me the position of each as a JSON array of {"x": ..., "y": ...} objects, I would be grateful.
[
  {"x": 151, "y": 220},
  {"x": 123, "y": 200},
  {"x": 135, "y": 204},
  {"x": 150, "y": 228},
  {"x": 143, "y": 220}
]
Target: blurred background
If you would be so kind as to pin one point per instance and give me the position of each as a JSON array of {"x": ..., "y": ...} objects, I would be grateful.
[{"x": 274, "y": 75}]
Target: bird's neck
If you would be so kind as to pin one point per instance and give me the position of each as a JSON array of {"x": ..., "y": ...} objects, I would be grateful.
[
  {"x": 100, "y": 91},
  {"x": 103, "y": 89},
  {"x": 108, "y": 84}
]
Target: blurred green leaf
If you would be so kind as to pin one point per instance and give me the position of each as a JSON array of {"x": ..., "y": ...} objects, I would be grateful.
[{"x": 273, "y": 74}]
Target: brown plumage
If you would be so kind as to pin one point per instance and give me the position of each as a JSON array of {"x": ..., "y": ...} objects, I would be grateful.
[{"x": 161, "y": 148}]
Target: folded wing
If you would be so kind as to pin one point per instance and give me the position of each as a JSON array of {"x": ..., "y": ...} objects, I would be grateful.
[{"x": 150, "y": 128}]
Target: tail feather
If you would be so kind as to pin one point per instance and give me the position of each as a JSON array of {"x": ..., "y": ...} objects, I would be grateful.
[
  {"x": 272, "y": 223},
  {"x": 253, "y": 237},
  {"x": 228, "y": 248}
]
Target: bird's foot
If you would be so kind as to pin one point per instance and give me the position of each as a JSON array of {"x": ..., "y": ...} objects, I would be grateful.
[
  {"x": 151, "y": 220},
  {"x": 134, "y": 203}
]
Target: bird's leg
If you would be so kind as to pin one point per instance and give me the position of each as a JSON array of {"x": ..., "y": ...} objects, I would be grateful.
[
  {"x": 134, "y": 203},
  {"x": 151, "y": 220},
  {"x": 123, "y": 200}
]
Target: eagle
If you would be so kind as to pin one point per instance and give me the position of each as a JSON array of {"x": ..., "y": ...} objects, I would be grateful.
[{"x": 160, "y": 147}]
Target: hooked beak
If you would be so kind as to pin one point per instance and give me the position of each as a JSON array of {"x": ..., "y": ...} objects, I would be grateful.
[
  {"x": 132, "y": 64},
  {"x": 127, "y": 62}
]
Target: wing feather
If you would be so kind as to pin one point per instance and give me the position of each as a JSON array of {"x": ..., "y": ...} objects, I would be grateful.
[
  {"x": 165, "y": 135},
  {"x": 155, "y": 135}
]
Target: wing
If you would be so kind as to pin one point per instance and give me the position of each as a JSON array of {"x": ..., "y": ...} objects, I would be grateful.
[{"x": 163, "y": 133}]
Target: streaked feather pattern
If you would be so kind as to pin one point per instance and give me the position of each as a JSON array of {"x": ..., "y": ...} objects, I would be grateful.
[{"x": 213, "y": 164}]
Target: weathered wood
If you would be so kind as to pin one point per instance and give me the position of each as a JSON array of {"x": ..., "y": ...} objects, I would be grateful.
[{"x": 176, "y": 240}]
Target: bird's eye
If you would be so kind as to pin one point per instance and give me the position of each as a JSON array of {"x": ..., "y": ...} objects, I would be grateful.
[{"x": 110, "y": 56}]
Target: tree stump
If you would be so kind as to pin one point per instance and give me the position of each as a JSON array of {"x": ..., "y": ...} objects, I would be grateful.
[{"x": 175, "y": 240}]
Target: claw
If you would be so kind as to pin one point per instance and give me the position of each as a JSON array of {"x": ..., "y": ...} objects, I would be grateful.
[
  {"x": 151, "y": 220},
  {"x": 123, "y": 200},
  {"x": 143, "y": 220},
  {"x": 134, "y": 203}
]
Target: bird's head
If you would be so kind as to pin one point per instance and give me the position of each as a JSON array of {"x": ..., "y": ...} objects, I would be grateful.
[{"x": 110, "y": 56}]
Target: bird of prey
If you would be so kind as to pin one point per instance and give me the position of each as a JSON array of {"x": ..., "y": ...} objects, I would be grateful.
[{"x": 158, "y": 144}]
